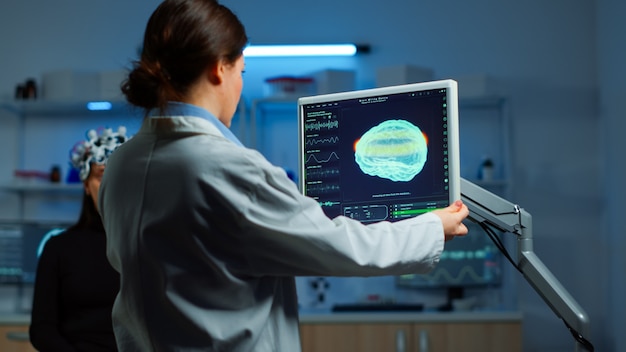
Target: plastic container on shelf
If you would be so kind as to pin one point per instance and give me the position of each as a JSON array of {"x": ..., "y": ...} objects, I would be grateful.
[{"x": 289, "y": 86}]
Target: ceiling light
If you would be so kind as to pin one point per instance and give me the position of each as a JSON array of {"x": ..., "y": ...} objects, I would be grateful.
[{"x": 304, "y": 50}]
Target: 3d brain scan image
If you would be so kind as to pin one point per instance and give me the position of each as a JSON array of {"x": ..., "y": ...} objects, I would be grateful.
[{"x": 394, "y": 149}]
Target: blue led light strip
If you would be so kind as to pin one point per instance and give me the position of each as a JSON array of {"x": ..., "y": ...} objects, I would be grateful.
[{"x": 300, "y": 50}]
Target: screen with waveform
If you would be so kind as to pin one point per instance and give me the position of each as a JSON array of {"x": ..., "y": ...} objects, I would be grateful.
[
  {"x": 468, "y": 261},
  {"x": 381, "y": 154},
  {"x": 21, "y": 245}
]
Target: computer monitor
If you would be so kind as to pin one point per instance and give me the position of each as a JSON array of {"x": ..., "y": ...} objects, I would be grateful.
[
  {"x": 381, "y": 154},
  {"x": 467, "y": 262},
  {"x": 21, "y": 245}
]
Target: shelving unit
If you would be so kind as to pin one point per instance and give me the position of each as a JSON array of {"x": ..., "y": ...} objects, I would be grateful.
[
  {"x": 56, "y": 115},
  {"x": 46, "y": 188},
  {"x": 56, "y": 120},
  {"x": 24, "y": 108},
  {"x": 485, "y": 132},
  {"x": 270, "y": 126}
]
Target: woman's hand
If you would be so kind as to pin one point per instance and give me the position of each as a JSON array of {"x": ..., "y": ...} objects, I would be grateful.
[{"x": 452, "y": 219}]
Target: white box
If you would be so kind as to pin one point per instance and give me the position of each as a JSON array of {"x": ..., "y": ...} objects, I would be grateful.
[
  {"x": 333, "y": 81},
  {"x": 402, "y": 74},
  {"x": 476, "y": 86},
  {"x": 110, "y": 84},
  {"x": 288, "y": 86},
  {"x": 70, "y": 85}
]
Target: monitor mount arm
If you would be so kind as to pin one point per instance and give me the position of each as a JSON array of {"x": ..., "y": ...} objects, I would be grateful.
[{"x": 490, "y": 209}]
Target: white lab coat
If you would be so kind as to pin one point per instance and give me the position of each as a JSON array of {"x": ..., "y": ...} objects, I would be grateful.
[{"x": 208, "y": 236}]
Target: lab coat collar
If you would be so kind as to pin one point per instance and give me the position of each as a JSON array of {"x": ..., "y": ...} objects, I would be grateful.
[{"x": 177, "y": 110}]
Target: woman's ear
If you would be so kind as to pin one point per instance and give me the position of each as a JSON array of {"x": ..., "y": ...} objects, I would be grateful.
[{"x": 215, "y": 73}]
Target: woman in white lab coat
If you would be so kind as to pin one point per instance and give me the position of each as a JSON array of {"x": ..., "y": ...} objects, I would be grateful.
[{"x": 208, "y": 235}]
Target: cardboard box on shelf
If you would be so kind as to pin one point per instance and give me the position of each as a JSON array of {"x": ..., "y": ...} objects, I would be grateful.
[
  {"x": 402, "y": 74},
  {"x": 70, "y": 85},
  {"x": 333, "y": 81},
  {"x": 110, "y": 84},
  {"x": 476, "y": 86},
  {"x": 288, "y": 86}
]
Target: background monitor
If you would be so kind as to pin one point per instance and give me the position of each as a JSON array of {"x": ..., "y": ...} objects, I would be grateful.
[
  {"x": 381, "y": 154},
  {"x": 469, "y": 262},
  {"x": 20, "y": 247}
]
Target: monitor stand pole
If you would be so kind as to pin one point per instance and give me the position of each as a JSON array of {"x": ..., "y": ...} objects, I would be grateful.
[{"x": 488, "y": 208}]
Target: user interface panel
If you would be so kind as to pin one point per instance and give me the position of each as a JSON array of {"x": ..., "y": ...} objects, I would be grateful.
[{"x": 381, "y": 154}]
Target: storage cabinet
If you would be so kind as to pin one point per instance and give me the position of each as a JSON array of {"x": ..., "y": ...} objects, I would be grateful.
[
  {"x": 470, "y": 337},
  {"x": 355, "y": 337},
  {"x": 409, "y": 337}
]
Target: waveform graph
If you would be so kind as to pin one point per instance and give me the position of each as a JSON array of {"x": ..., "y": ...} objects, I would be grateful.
[
  {"x": 331, "y": 208},
  {"x": 317, "y": 140},
  {"x": 461, "y": 267},
  {"x": 314, "y": 189},
  {"x": 321, "y": 125},
  {"x": 317, "y": 157},
  {"x": 322, "y": 173},
  {"x": 466, "y": 275}
]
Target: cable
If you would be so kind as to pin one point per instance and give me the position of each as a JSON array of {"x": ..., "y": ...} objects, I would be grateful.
[{"x": 498, "y": 243}]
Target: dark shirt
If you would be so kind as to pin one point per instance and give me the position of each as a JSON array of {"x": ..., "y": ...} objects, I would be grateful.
[{"x": 75, "y": 288}]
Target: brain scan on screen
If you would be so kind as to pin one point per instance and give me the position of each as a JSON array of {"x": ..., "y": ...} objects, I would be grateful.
[{"x": 394, "y": 149}]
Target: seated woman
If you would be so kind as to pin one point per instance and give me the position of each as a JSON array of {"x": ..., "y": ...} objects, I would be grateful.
[{"x": 75, "y": 285}]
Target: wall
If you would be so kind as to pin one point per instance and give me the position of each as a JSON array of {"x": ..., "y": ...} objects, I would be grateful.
[
  {"x": 543, "y": 55},
  {"x": 611, "y": 75}
]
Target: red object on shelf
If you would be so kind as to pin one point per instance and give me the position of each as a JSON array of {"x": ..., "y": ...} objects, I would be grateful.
[
  {"x": 29, "y": 174},
  {"x": 284, "y": 85}
]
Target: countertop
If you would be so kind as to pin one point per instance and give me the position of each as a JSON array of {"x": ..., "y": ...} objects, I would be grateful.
[
  {"x": 364, "y": 317},
  {"x": 412, "y": 317}
]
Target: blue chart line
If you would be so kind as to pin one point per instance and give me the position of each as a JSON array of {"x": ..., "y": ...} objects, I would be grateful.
[
  {"x": 323, "y": 141},
  {"x": 312, "y": 156},
  {"x": 329, "y": 203},
  {"x": 319, "y": 125}
]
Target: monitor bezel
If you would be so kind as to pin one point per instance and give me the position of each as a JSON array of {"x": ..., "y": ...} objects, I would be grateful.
[{"x": 451, "y": 87}]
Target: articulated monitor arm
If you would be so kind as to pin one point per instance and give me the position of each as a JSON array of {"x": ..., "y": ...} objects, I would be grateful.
[{"x": 486, "y": 207}]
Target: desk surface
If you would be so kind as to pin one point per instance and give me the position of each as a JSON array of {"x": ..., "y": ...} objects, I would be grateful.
[
  {"x": 411, "y": 317},
  {"x": 355, "y": 317}
]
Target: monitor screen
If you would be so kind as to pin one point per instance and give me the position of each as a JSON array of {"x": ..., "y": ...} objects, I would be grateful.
[
  {"x": 468, "y": 261},
  {"x": 381, "y": 154},
  {"x": 20, "y": 247}
]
